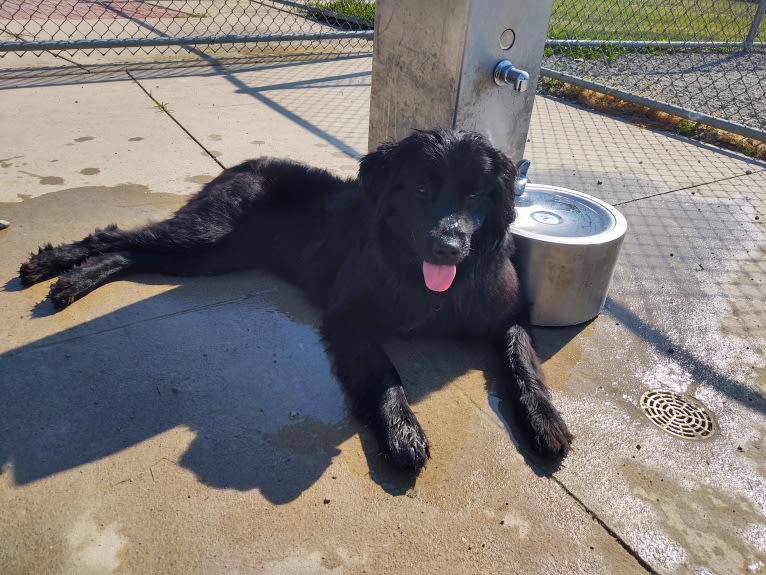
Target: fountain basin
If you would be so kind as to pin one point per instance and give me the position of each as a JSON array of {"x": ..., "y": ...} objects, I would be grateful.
[{"x": 567, "y": 244}]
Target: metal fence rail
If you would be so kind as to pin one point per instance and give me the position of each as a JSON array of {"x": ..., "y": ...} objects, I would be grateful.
[
  {"x": 703, "y": 60},
  {"x": 160, "y": 26}
]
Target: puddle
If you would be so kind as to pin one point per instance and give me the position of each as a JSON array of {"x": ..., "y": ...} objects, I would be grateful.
[
  {"x": 89, "y": 202},
  {"x": 84, "y": 139},
  {"x": 702, "y": 524},
  {"x": 747, "y": 289},
  {"x": 90, "y": 171},
  {"x": 8, "y": 162},
  {"x": 46, "y": 180},
  {"x": 71, "y": 213},
  {"x": 560, "y": 349}
]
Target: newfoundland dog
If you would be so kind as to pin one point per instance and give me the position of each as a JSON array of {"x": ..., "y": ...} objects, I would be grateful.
[{"x": 417, "y": 245}]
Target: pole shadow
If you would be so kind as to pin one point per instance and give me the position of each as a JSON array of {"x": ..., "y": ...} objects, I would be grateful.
[{"x": 700, "y": 370}]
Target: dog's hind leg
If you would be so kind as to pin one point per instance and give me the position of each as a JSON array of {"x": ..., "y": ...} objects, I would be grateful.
[
  {"x": 177, "y": 235},
  {"x": 533, "y": 400},
  {"x": 97, "y": 270},
  {"x": 231, "y": 202},
  {"x": 87, "y": 276},
  {"x": 203, "y": 221},
  {"x": 50, "y": 261}
]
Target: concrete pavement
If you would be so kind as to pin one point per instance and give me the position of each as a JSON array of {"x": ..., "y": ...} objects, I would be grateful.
[{"x": 166, "y": 425}]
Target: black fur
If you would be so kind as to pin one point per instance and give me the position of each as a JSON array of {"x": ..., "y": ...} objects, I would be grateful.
[{"x": 356, "y": 248}]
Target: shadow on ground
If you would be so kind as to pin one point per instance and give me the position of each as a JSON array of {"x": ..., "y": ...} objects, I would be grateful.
[{"x": 237, "y": 359}]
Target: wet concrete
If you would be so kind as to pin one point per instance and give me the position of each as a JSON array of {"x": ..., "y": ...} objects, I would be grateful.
[
  {"x": 167, "y": 420},
  {"x": 60, "y": 147},
  {"x": 194, "y": 426},
  {"x": 685, "y": 313}
]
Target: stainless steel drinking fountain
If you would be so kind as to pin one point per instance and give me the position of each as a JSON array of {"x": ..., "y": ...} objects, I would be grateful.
[{"x": 567, "y": 244}]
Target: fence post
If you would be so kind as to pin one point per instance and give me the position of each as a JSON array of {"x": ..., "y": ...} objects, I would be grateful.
[
  {"x": 759, "y": 12},
  {"x": 433, "y": 64}
]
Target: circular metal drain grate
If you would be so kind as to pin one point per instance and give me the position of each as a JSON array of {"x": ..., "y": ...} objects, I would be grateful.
[{"x": 677, "y": 414}]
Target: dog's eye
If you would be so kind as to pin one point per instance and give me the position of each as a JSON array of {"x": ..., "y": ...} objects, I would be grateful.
[{"x": 475, "y": 194}]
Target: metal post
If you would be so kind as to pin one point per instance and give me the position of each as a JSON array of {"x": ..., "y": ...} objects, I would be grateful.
[
  {"x": 754, "y": 26},
  {"x": 467, "y": 64}
]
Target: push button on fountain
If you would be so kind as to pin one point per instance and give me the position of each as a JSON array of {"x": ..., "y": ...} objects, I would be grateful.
[{"x": 547, "y": 218}]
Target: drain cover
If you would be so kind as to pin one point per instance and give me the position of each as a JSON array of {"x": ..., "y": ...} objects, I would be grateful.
[{"x": 678, "y": 414}]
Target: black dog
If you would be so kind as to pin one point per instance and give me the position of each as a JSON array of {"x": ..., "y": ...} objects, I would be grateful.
[{"x": 418, "y": 245}]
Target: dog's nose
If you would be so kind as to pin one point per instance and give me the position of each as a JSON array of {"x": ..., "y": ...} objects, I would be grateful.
[{"x": 447, "y": 250}]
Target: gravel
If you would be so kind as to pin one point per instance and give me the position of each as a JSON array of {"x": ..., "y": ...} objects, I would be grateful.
[{"x": 727, "y": 84}]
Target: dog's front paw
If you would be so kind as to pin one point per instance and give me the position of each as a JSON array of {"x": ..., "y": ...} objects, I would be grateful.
[
  {"x": 406, "y": 444},
  {"x": 551, "y": 433},
  {"x": 400, "y": 436}
]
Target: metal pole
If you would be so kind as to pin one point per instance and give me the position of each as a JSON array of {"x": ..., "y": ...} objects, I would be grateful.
[
  {"x": 464, "y": 64},
  {"x": 754, "y": 26}
]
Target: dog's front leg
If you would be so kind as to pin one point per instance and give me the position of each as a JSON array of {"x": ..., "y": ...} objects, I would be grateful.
[
  {"x": 537, "y": 414},
  {"x": 375, "y": 389}
]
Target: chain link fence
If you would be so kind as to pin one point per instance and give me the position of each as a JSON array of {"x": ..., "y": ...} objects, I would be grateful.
[
  {"x": 171, "y": 26},
  {"x": 702, "y": 60}
]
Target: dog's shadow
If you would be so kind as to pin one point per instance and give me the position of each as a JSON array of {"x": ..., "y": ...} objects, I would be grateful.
[{"x": 236, "y": 359}]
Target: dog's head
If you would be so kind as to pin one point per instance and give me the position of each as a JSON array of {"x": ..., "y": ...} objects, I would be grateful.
[{"x": 442, "y": 193}]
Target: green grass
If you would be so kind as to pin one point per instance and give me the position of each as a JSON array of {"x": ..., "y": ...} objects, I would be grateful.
[
  {"x": 608, "y": 51},
  {"x": 643, "y": 20},
  {"x": 354, "y": 8},
  {"x": 652, "y": 20},
  {"x": 685, "y": 128}
]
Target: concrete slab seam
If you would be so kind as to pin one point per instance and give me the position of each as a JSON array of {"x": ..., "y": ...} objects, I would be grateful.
[
  {"x": 612, "y": 533},
  {"x": 178, "y": 123},
  {"x": 491, "y": 416},
  {"x": 68, "y": 60}
]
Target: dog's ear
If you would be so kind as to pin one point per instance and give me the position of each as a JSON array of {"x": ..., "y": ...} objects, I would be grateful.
[
  {"x": 507, "y": 172},
  {"x": 374, "y": 169}
]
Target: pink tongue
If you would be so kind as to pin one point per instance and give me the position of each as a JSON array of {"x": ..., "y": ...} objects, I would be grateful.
[{"x": 438, "y": 278}]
